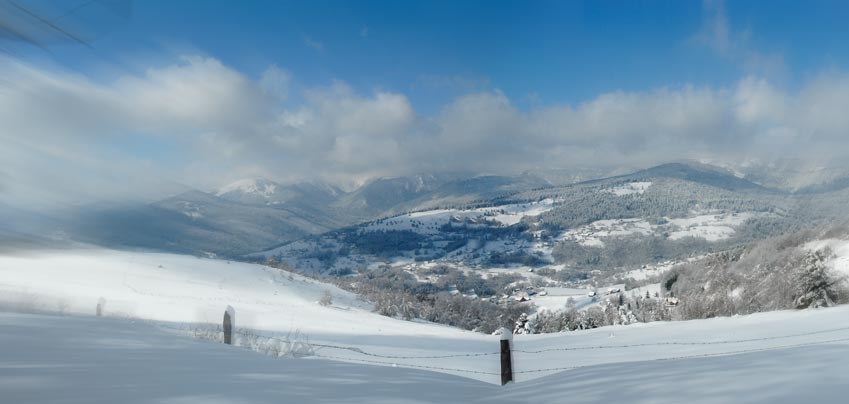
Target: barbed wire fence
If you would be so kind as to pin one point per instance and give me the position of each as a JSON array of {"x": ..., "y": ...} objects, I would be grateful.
[{"x": 297, "y": 345}]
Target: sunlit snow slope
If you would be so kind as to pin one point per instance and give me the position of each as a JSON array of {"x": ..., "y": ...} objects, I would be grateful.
[
  {"x": 48, "y": 359},
  {"x": 180, "y": 289}
]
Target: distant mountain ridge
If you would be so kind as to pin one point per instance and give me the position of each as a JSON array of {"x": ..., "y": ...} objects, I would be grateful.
[
  {"x": 250, "y": 215},
  {"x": 790, "y": 175},
  {"x": 667, "y": 212},
  {"x": 254, "y": 214},
  {"x": 693, "y": 172}
]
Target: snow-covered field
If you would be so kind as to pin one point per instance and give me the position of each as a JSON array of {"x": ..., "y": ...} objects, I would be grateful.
[
  {"x": 184, "y": 289},
  {"x": 49, "y": 359},
  {"x": 87, "y": 360},
  {"x": 592, "y": 235},
  {"x": 711, "y": 227},
  {"x": 647, "y": 271},
  {"x": 758, "y": 358},
  {"x": 556, "y": 298}
]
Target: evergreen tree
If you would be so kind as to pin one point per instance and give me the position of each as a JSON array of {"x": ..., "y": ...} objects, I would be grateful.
[
  {"x": 816, "y": 287},
  {"x": 523, "y": 326}
]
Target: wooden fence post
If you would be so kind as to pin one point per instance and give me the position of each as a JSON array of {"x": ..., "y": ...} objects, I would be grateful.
[
  {"x": 229, "y": 321},
  {"x": 506, "y": 356},
  {"x": 100, "y": 303}
]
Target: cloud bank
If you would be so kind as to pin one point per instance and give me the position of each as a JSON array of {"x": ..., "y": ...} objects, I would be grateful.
[{"x": 68, "y": 138}]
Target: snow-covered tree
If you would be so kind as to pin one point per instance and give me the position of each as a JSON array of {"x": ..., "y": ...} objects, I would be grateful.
[
  {"x": 523, "y": 325},
  {"x": 815, "y": 286},
  {"x": 627, "y": 316}
]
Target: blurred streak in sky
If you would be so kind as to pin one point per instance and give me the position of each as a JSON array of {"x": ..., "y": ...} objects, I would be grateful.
[{"x": 44, "y": 23}]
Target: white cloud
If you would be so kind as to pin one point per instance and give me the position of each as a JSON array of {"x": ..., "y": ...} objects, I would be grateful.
[
  {"x": 312, "y": 43},
  {"x": 275, "y": 81},
  {"x": 198, "y": 122}
]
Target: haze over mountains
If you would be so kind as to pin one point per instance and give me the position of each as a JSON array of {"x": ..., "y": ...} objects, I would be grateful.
[{"x": 253, "y": 215}]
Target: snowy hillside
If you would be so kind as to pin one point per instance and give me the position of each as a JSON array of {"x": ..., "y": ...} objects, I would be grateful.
[
  {"x": 186, "y": 289},
  {"x": 771, "y": 357},
  {"x": 177, "y": 290}
]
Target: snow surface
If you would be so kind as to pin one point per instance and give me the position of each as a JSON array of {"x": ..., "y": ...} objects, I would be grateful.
[
  {"x": 42, "y": 357},
  {"x": 186, "y": 289},
  {"x": 660, "y": 268},
  {"x": 181, "y": 288},
  {"x": 592, "y": 234},
  {"x": 556, "y": 298},
  {"x": 712, "y": 227},
  {"x": 50, "y": 359}
]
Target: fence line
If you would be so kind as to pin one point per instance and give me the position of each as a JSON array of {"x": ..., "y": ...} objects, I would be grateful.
[
  {"x": 696, "y": 343},
  {"x": 339, "y": 347},
  {"x": 408, "y": 365},
  {"x": 693, "y": 356},
  {"x": 249, "y": 332},
  {"x": 360, "y": 351}
]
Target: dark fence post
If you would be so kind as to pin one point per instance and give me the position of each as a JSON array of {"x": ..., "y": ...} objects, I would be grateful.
[
  {"x": 100, "y": 303},
  {"x": 229, "y": 320},
  {"x": 506, "y": 356}
]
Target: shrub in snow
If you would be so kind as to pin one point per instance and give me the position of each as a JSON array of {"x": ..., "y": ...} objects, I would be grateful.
[
  {"x": 326, "y": 299},
  {"x": 293, "y": 345},
  {"x": 592, "y": 317}
]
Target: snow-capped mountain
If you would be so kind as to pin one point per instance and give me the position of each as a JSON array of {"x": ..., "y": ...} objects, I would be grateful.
[
  {"x": 261, "y": 191},
  {"x": 259, "y": 187},
  {"x": 790, "y": 175},
  {"x": 381, "y": 194},
  {"x": 258, "y": 214}
]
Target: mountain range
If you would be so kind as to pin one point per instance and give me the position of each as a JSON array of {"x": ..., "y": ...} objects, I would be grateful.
[{"x": 254, "y": 215}]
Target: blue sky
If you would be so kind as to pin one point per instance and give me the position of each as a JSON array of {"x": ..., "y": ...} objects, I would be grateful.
[
  {"x": 535, "y": 52},
  {"x": 181, "y": 94}
]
